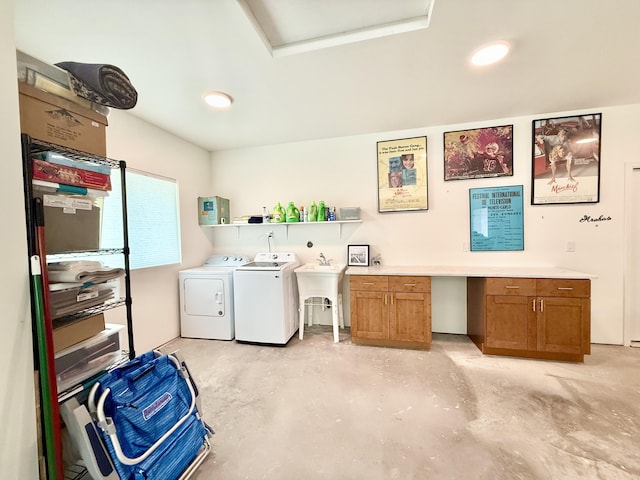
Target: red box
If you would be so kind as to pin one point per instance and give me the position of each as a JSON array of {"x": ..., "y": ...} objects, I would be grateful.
[{"x": 52, "y": 172}]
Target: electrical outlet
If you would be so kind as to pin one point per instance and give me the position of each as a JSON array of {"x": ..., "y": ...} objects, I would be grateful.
[{"x": 571, "y": 246}]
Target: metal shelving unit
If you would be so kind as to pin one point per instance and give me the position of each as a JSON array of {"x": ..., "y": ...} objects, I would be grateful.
[{"x": 43, "y": 330}]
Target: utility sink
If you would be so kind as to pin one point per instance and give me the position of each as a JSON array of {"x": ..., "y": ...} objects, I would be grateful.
[
  {"x": 315, "y": 280},
  {"x": 317, "y": 268},
  {"x": 324, "y": 281}
]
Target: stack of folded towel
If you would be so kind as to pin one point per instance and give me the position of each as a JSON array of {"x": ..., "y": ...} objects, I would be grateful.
[
  {"x": 83, "y": 271},
  {"x": 79, "y": 284}
]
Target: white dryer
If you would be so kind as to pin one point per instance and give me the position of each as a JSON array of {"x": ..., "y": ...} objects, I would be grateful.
[{"x": 206, "y": 298}]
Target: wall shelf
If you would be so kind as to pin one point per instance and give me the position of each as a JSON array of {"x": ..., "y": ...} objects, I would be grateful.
[{"x": 286, "y": 225}]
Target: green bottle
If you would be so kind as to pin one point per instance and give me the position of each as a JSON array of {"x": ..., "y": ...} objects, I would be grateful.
[
  {"x": 293, "y": 214},
  {"x": 278, "y": 213},
  {"x": 321, "y": 217},
  {"x": 313, "y": 212}
]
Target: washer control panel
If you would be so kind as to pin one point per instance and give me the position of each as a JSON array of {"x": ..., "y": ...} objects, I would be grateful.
[{"x": 226, "y": 261}]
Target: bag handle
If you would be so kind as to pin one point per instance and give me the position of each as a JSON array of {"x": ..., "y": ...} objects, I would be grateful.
[
  {"x": 107, "y": 425},
  {"x": 91, "y": 398}
]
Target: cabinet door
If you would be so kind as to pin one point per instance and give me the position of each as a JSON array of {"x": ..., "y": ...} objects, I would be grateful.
[
  {"x": 511, "y": 322},
  {"x": 560, "y": 324},
  {"x": 369, "y": 315},
  {"x": 409, "y": 317}
]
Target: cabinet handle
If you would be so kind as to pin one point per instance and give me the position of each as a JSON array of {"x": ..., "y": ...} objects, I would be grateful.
[
  {"x": 565, "y": 288},
  {"x": 542, "y": 305},
  {"x": 391, "y": 298},
  {"x": 367, "y": 283},
  {"x": 512, "y": 286},
  {"x": 385, "y": 298},
  {"x": 409, "y": 284},
  {"x": 533, "y": 305}
]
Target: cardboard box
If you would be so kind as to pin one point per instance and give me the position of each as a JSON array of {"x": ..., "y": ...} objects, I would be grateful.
[
  {"x": 54, "y": 119},
  {"x": 70, "y": 333},
  {"x": 213, "y": 211}
]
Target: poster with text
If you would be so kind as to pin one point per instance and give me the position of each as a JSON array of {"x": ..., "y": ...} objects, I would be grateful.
[
  {"x": 402, "y": 175},
  {"x": 566, "y": 160},
  {"x": 496, "y": 218}
]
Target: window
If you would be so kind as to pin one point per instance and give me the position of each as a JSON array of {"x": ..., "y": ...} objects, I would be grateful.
[{"x": 153, "y": 219}]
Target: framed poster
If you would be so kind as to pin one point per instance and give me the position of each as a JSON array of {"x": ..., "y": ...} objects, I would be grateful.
[
  {"x": 496, "y": 218},
  {"x": 566, "y": 160},
  {"x": 402, "y": 175},
  {"x": 358, "y": 255},
  {"x": 478, "y": 153}
]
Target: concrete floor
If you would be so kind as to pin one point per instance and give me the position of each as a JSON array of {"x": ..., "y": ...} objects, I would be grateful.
[{"x": 319, "y": 410}]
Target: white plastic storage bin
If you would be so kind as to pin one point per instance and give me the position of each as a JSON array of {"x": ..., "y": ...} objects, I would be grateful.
[{"x": 79, "y": 362}]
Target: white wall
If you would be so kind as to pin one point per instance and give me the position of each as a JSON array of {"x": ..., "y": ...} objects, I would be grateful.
[
  {"x": 342, "y": 172},
  {"x": 155, "y": 290},
  {"x": 18, "y": 448}
]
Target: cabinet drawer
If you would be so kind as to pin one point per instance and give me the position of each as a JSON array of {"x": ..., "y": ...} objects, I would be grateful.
[
  {"x": 562, "y": 287},
  {"x": 409, "y": 284},
  {"x": 369, "y": 283},
  {"x": 511, "y": 286}
]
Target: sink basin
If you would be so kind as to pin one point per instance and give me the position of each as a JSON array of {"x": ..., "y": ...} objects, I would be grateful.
[
  {"x": 316, "y": 280},
  {"x": 314, "y": 268}
]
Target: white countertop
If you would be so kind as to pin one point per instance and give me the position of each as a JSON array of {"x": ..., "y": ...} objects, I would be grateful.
[{"x": 477, "y": 271}]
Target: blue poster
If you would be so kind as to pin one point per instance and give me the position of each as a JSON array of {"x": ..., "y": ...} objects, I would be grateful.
[{"x": 496, "y": 217}]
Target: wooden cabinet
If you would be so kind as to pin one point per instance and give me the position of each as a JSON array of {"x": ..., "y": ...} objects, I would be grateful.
[
  {"x": 528, "y": 317},
  {"x": 391, "y": 311}
]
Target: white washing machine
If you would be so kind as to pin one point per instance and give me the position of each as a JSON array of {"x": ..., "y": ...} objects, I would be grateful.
[
  {"x": 206, "y": 298},
  {"x": 266, "y": 299}
]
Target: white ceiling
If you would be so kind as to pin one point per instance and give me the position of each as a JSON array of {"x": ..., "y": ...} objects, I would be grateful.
[{"x": 568, "y": 54}]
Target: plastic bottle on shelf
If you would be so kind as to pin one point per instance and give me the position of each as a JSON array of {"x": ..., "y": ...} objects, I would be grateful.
[
  {"x": 321, "y": 211},
  {"x": 293, "y": 214},
  {"x": 332, "y": 214},
  {"x": 312, "y": 216},
  {"x": 265, "y": 215},
  {"x": 278, "y": 213},
  {"x": 302, "y": 214}
]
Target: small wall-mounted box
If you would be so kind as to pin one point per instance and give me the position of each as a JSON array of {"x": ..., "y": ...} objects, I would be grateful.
[
  {"x": 349, "y": 213},
  {"x": 213, "y": 211}
]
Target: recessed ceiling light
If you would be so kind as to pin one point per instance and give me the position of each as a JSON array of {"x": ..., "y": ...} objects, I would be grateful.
[
  {"x": 218, "y": 99},
  {"x": 490, "y": 54}
]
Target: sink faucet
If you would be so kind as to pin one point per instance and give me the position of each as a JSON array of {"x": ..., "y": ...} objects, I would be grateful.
[{"x": 323, "y": 261}]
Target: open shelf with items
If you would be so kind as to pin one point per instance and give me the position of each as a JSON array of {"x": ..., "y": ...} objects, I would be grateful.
[
  {"x": 285, "y": 225},
  {"x": 89, "y": 290}
]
